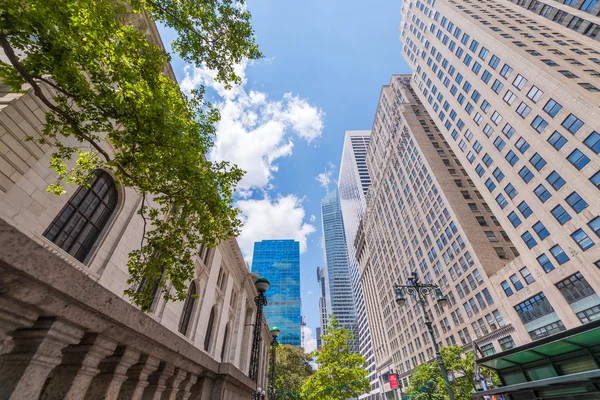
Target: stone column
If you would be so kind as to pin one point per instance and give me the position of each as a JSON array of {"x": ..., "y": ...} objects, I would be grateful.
[
  {"x": 72, "y": 378},
  {"x": 37, "y": 350},
  {"x": 173, "y": 384},
  {"x": 157, "y": 381},
  {"x": 185, "y": 389},
  {"x": 137, "y": 378},
  {"x": 13, "y": 315},
  {"x": 113, "y": 372},
  {"x": 203, "y": 389}
]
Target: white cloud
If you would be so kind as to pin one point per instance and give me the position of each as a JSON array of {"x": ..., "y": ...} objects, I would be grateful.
[
  {"x": 310, "y": 342},
  {"x": 312, "y": 218},
  {"x": 255, "y": 131},
  {"x": 324, "y": 179},
  {"x": 280, "y": 218},
  {"x": 309, "y": 292}
]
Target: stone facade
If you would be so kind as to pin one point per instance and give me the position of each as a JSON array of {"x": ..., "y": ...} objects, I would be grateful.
[{"x": 107, "y": 345}]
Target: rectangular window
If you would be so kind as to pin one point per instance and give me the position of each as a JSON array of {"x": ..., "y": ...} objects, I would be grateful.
[
  {"x": 522, "y": 145},
  {"x": 501, "y": 200},
  {"x": 595, "y": 179},
  {"x": 514, "y": 219},
  {"x": 537, "y": 161},
  {"x": 539, "y": 124},
  {"x": 572, "y": 124},
  {"x": 516, "y": 282},
  {"x": 524, "y": 209},
  {"x": 557, "y": 140},
  {"x": 542, "y": 193},
  {"x": 527, "y": 275},
  {"x": 505, "y": 71},
  {"x": 577, "y": 203},
  {"x": 534, "y": 308},
  {"x": 545, "y": 263},
  {"x": 511, "y": 157},
  {"x": 555, "y": 180},
  {"x": 509, "y": 97},
  {"x": 552, "y": 108},
  {"x": 559, "y": 254},
  {"x": 519, "y": 82},
  {"x": 582, "y": 239},
  {"x": 526, "y": 174},
  {"x": 506, "y": 343},
  {"x": 494, "y": 61},
  {"x": 561, "y": 215},
  {"x": 593, "y": 142},
  {"x": 498, "y": 174},
  {"x": 523, "y": 110},
  {"x": 529, "y": 240},
  {"x": 575, "y": 288},
  {"x": 507, "y": 289},
  {"x": 510, "y": 191},
  {"x": 578, "y": 159},
  {"x": 595, "y": 225},
  {"x": 497, "y": 86},
  {"x": 535, "y": 93},
  {"x": 541, "y": 230}
]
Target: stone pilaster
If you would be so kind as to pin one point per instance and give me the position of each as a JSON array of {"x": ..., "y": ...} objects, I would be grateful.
[
  {"x": 36, "y": 351},
  {"x": 113, "y": 372},
  {"x": 137, "y": 378},
  {"x": 185, "y": 389},
  {"x": 13, "y": 315},
  {"x": 202, "y": 390},
  {"x": 157, "y": 381},
  {"x": 173, "y": 384},
  {"x": 72, "y": 378}
]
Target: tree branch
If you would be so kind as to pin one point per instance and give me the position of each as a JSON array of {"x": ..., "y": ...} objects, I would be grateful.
[{"x": 14, "y": 60}]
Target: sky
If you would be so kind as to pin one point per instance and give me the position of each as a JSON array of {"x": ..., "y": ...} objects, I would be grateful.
[{"x": 325, "y": 63}]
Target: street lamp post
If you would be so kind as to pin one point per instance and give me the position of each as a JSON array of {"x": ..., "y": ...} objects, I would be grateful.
[
  {"x": 419, "y": 290},
  {"x": 262, "y": 285},
  {"x": 274, "y": 333}
]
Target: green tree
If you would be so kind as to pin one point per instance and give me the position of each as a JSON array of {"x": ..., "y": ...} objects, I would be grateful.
[
  {"x": 293, "y": 368},
  {"x": 104, "y": 87},
  {"x": 426, "y": 380},
  {"x": 340, "y": 374}
]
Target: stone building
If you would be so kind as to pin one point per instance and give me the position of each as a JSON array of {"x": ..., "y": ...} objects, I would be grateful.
[
  {"x": 515, "y": 96},
  {"x": 66, "y": 329},
  {"x": 425, "y": 215}
]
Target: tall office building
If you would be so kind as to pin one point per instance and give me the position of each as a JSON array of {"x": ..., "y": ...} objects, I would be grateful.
[
  {"x": 353, "y": 184},
  {"x": 425, "y": 215},
  {"x": 515, "y": 95},
  {"x": 322, "y": 299},
  {"x": 338, "y": 285},
  {"x": 279, "y": 262}
]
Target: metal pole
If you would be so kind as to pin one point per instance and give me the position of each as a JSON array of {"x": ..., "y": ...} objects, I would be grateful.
[
  {"x": 261, "y": 301},
  {"x": 438, "y": 355},
  {"x": 273, "y": 361}
]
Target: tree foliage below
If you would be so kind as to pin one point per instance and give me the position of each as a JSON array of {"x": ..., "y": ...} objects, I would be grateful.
[
  {"x": 426, "y": 381},
  {"x": 293, "y": 368},
  {"x": 103, "y": 82},
  {"x": 340, "y": 374}
]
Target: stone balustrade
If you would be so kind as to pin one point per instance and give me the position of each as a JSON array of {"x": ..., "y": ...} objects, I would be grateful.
[{"x": 64, "y": 336}]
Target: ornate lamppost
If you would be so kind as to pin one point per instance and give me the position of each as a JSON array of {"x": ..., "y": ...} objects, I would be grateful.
[
  {"x": 262, "y": 285},
  {"x": 274, "y": 343},
  {"x": 419, "y": 290}
]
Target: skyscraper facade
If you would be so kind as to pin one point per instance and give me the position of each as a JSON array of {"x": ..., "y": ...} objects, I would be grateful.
[
  {"x": 338, "y": 285},
  {"x": 353, "y": 185},
  {"x": 279, "y": 262},
  {"x": 515, "y": 96},
  {"x": 322, "y": 299},
  {"x": 425, "y": 215}
]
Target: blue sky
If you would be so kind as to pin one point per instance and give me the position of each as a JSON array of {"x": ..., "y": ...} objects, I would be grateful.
[{"x": 325, "y": 63}]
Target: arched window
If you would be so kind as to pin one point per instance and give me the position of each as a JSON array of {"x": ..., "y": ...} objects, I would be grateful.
[
  {"x": 150, "y": 302},
  {"x": 209, "y": 329},
  {"x": 188, "y": 307},
  {"x": 79, "y": 224},
  {"x": 224, "y": 348}
]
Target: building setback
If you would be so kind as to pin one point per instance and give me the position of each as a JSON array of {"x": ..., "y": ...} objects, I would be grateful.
[
  {"x": 424, "y": 214},
  {"x": 515, "y": 95},
  {"x": 279, "y": 262},
  {"x": 338, "y": 285},
  {"x": 353, "y": 185}
]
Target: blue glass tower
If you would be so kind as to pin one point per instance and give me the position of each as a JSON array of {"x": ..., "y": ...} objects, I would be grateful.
[{"x": 279, "y": 262}]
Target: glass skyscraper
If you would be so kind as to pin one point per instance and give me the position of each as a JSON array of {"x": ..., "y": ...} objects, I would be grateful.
[
  {"x": 338, "y": 283},
  {"x": 279, "y": 262}
]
